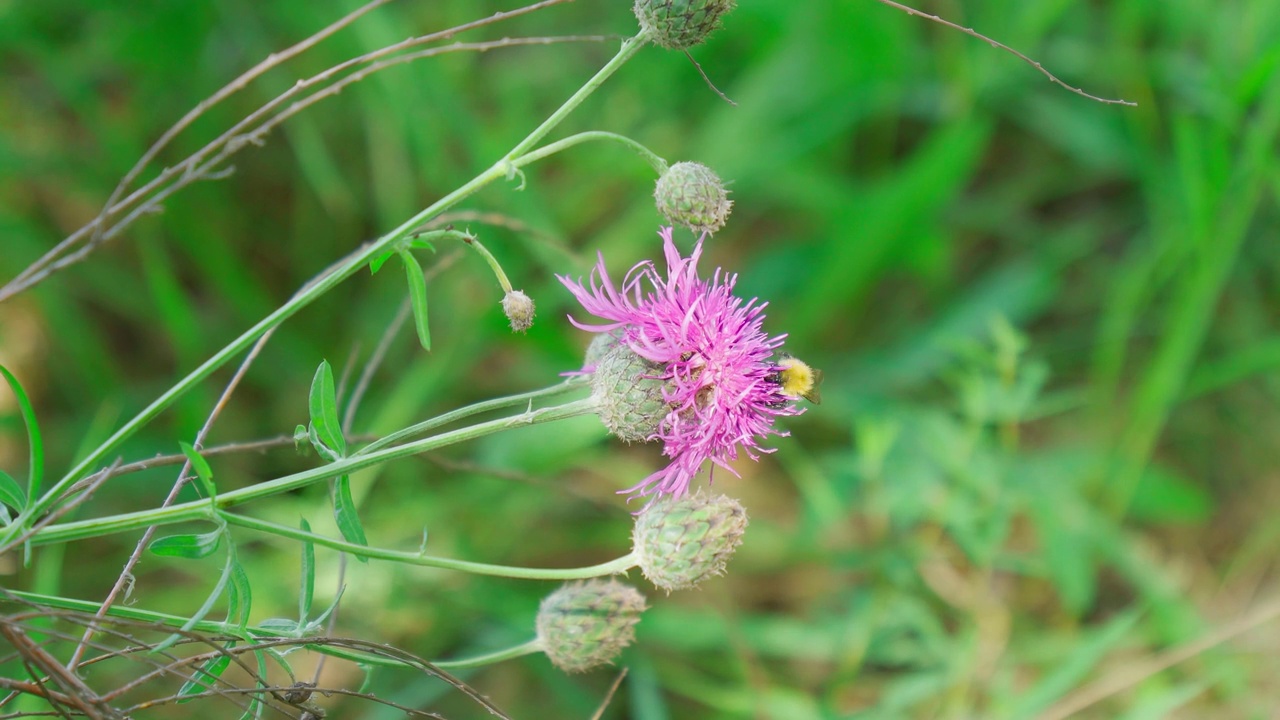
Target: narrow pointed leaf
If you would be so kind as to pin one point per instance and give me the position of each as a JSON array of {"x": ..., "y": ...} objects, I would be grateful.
[
  {"x": 240, "y": 599},
  {"x": 376, "y": 264},
  {"x": 34, "y": 442},
  {"x": 205, "y": 677},
  {"x": 256, "y": 706},
  {"x": 190, "y": 546},
  {"x": 11, "y": 493},
  {"x": 417, "y": 297},
  {"x": 203, "y": 472},
  {"x": 344, "y": 513},
  {"x": 308, "y": 576},
  {"x": 324, "y": 410},
  {"x": 318, "y": 623},
  {"x": 204, "y": 610}
]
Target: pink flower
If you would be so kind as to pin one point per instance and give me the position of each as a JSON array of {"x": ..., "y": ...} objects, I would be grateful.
[{"x": 716, "y": 361}]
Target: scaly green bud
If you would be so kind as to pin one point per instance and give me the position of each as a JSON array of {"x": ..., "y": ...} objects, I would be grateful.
[
  {"x": 680, "y": 542},
  {"x": 692, "y": 195},
  {"x": 629, "y": 394},
  {"x": 601, "y": 344},
  {"x": 587, "y": 624},
  {"x": 680, "y": 24}
]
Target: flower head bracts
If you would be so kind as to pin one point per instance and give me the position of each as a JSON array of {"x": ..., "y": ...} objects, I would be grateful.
[{"x": 715, "y": 360}]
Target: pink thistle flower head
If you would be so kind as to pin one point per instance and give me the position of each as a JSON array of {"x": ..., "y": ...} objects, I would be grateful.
[{"x": 689, "y": 365}]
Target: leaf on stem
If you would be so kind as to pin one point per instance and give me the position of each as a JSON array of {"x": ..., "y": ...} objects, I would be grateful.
[
  {"x": 36, "y": 469},
  {"x": 240, "y": 596},
  {"x": 11, "y": 493},
  {"x": 324, "y": 411},
  {"x": 205, "y": 609},
  {"x": 417, "y": 297},
  {"x": 307, "y": 591},
  {"x": 190, "y": 546},
  {"x": 344, "y": 513},
  {"x": 206, "y": 676},
  {"x": 201, "y": 466}
]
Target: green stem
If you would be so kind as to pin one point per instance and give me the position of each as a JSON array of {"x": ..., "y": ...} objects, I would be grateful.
[
  {"x": 207, "y": 509},
  {"x": 126, "y": 612},
  {"x": 499, "y": 170},
  {"x": 659, "y": 165},
  {"x": 629, "y": 47},
  {"x": 493, "y": 262},
  {"x": 214, "y": 627},
  {"x": 528, "y": 648},
  {"x": 460, "y": 413},
  {"x": 613, "y": 567}
]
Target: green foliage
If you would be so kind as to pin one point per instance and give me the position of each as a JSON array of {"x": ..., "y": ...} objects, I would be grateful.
[{"x": 1047, "y": 328}]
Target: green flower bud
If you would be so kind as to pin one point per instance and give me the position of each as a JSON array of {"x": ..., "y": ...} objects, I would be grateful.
[
  {"x": 518, "y": 308},
  {"x": 680, "y": 24},
  {"x": 601, "y": 344},
  {"x": 679, "y": 542},
  {"x": 586, "y": 624},
  {"x": 629, "y": 394},
  {"x": 691, "y": 194}
]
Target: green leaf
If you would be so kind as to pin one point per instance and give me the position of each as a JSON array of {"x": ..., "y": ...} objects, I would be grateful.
[
  {"x": 344, "y": 512},
  {"x": 283, "y": 626},
  {"x": 192, "y": 547},
  {"x": 318, "y": 624},
  {"x": 307, "y": 592},
  {"x": 240, "y": 597},
  {"x": 11, "y": 493},
  {"x": 204, "y": 610},
  {"x": 376, "y": 264},
  {"x": 417, "y": 297},
  {"x": 1167, "y": 497},
  {"x": 1067, "y": 545},
  {"x": 36, "y": 464},
  {"x": 255, "y": 706},
  {"x": 318, "y": 445},
  {"x": 205, "y": 677},
  {"x": 324, "y": 410},
  {"x": 201, "y": 466}
]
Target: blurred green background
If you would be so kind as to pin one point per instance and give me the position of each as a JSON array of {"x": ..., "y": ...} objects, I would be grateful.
[{"x": 1042, "y": 479}]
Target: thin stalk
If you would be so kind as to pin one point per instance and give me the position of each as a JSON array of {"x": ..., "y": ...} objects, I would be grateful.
[
  {"x": 463, "y": 412},
  {"x": 207, "y": 509},
  {"x": 613, "y": 567},
  {"x": 659, "y": 165},
  {"x": 528, "y": 648},
  {"x": 499, "y": 170}
]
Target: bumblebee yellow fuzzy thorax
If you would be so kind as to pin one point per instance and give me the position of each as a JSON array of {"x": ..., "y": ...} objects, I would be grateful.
[{"x": 797, "y": 379}]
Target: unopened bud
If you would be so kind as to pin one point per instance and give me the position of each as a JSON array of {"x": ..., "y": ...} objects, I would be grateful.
[
  {"x": 679, "y": 542},
  {"x": 680, "y": 24},
  {"x": 628, "y": 389},
  {"x": 519, "y": 310},
  {"x": 691, "y": 194},
  {"x": 587, "y": 624},
  {"x": 601, "y": 344}
]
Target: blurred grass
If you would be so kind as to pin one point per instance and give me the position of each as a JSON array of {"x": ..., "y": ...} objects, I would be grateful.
[{"x": 941, "y": 538}]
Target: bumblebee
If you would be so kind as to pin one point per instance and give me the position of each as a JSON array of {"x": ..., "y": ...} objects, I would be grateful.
[{"x": 796, "y": 379}]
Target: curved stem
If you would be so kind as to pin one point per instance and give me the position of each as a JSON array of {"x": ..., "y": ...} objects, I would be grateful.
[
  {"x": 629, "y": 47},
  {"x": 493, "y": 263},
  {"x": 528, "y": 648},
  {"x": 659, "y": 165},
  {"x": 613, "y": 567},
  {"x": 358, "y": 260},
  {"x": 207, "y": 509},
  {"x": 469, "y": 410}
]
